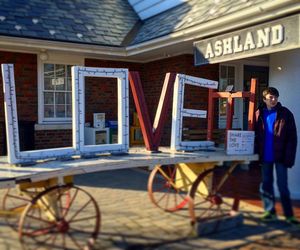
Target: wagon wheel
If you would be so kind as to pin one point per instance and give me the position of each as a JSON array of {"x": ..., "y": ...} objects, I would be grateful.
[
  {"x": 67, "y": 218},
  {"x": 163, "y": 190},
  {"x": 213, "y": 195},
  {"x": 14, "y": 202}
]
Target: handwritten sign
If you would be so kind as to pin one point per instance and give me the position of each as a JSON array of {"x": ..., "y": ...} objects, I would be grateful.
[{"x": 240, "y": 142}]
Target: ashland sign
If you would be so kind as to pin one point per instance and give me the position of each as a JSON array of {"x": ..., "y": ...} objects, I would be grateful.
[{"x": 274, "y": 36}]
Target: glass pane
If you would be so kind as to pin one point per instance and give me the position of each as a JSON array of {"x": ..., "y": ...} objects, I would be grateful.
[
  {"x": 69, "y": 98},
  {"x": 223, "y": 71},
  {"x": 223, "y": 84},
  {"x": 60, "y": 110},
  {"x": 59, "y": 83},
  {"x": 223, "y": 104},
  {"x": 69, "y": 110},
  {"x": 231, "y": 81},
  {"x": 60, "y": 98},
  {"x": 59, "y": 70},
  {"x": 69, "y": 83},
  {"x": 230, "y": 72},
  {"x": 48, "y": 70},
  {"x": 48, "y": 84},
  {"x": 48, "y": 98},
  {"x": 49, "y": 111}
]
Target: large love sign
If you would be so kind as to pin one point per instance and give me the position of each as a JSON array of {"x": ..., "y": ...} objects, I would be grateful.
[
  {"x": 173, "y": 87},
  {"x": 173, "y": 84}
]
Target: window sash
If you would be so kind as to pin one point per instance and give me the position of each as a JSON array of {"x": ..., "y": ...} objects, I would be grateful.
[{"x": 56, "y": 92}]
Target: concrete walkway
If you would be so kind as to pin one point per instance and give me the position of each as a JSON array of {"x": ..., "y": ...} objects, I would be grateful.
[{"x": 130, "y": 221}]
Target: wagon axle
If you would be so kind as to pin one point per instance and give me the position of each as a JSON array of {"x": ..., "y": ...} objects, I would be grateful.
[
  {"x": 62, "y": 226},
  {"x": 215, "y": 199}
]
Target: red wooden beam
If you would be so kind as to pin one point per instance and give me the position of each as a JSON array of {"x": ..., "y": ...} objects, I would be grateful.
[
  {"x": 141, "y": 108},
  {"x": 151, "y": 134},
  {"x": 251, "y": 110},
  {"x": 230, "y": 106},
  {"x": 229, "y": 113},
  {"x": 163, "y": 107}
]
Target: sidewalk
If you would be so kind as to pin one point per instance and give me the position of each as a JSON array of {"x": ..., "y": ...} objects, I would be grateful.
[{"x": 130, "y": 221}]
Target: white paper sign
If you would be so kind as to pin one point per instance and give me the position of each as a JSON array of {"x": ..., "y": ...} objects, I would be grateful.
[{"x": 240, "y": 142}]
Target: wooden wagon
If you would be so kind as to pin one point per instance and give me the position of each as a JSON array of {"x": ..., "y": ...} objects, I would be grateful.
[{"x": 48, "y": 210}]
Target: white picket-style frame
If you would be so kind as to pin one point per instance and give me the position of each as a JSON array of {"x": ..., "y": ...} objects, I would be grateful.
[
  {"x": 14, "y": 155},
  {"x": 179, "y": 112},
  {"x": 78, "y": 99}
]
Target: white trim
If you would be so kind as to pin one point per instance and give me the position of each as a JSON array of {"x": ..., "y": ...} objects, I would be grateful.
[
  {"x": 11, "y": 116},
  {"x": 54, "y": 58},
  {"x": 78, "y": 86},
  {"x": 12, "y": 129},
  {"x": 56, "y": 126},
  {"x": 179, "y": 112},
  {"x": 78, "y": 73}
]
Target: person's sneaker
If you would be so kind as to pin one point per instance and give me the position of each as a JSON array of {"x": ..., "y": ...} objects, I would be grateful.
[
  {"x": 267, "y": 216},
  {"x": 293, "y": 221}
]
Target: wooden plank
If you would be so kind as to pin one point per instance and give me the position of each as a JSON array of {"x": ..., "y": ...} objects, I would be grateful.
[
  {"x": 136, "y": 158},
  {"x": 252, "y": 107}
]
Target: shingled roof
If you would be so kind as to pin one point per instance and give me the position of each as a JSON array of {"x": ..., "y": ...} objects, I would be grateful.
[
  {"x": 187, "y": 15},
  {"x": 107, "y": 22},
  {"x": 82, "y": 21}
]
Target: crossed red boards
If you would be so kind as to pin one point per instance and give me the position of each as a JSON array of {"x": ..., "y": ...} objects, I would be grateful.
[{"x": 152, "y": 134}]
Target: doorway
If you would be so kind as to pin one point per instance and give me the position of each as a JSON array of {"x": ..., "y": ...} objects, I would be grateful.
[{"x": 261, "y": 73}]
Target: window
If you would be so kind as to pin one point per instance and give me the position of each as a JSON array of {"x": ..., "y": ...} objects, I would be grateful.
[
  {"x": 227, "y": 77},
  {"x": 56, "y": 92}
]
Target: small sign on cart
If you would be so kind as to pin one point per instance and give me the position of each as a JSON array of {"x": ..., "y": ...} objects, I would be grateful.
[{"x": 240, "y": 142}]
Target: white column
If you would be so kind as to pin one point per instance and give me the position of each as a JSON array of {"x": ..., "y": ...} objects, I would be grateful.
[{"x": 285, "y": 76}]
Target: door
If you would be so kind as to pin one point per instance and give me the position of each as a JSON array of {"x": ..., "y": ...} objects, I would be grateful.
[{"x": 261, "y": 73}]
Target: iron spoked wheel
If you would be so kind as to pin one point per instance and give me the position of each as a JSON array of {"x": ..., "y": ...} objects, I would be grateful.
[
  {"x": 14, "y": 202},
  {"x": 163, "y": 191},
  {"x": 213, "y": 195},
  {"x": 67, "y": 218}
]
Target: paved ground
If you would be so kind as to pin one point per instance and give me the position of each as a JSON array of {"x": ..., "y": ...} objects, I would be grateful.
[{"x": 130, "y": 221}]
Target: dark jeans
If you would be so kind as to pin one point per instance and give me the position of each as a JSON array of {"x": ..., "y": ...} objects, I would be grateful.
[{"x": 267, "y": 190}]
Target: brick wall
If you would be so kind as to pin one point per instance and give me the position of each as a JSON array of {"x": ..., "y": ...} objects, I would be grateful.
[
  {"x": 25, "y": 67},
  {"x": 153, "y": 77},
  {"x": 101, "y": 94},
  {"x": 53, "y": 138}
]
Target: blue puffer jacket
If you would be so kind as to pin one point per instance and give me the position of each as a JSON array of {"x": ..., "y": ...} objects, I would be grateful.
[{"x": 285, "y": 135}]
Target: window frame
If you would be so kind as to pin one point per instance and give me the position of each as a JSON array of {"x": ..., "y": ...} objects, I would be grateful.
[
  {"x": 234, "y": 84},
  {"x": 55, "y": 59}
]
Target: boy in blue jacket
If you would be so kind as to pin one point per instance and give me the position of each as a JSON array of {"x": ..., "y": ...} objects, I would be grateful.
[{"x": 276, "y": 144}]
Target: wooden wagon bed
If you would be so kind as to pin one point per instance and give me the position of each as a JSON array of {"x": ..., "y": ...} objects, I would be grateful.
[{"x": 12, "y": 175}]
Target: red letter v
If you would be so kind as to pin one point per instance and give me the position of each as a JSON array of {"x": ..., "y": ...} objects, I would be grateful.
[{"x": 151, "y": 134}]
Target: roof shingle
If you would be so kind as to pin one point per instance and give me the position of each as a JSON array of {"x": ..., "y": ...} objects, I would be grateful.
[
  {"x": 82, "y": 21},
  {"x": 189, "y": 14}
]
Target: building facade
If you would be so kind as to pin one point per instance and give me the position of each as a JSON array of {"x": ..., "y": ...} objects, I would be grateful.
[{"x": 228, "y": 41}]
